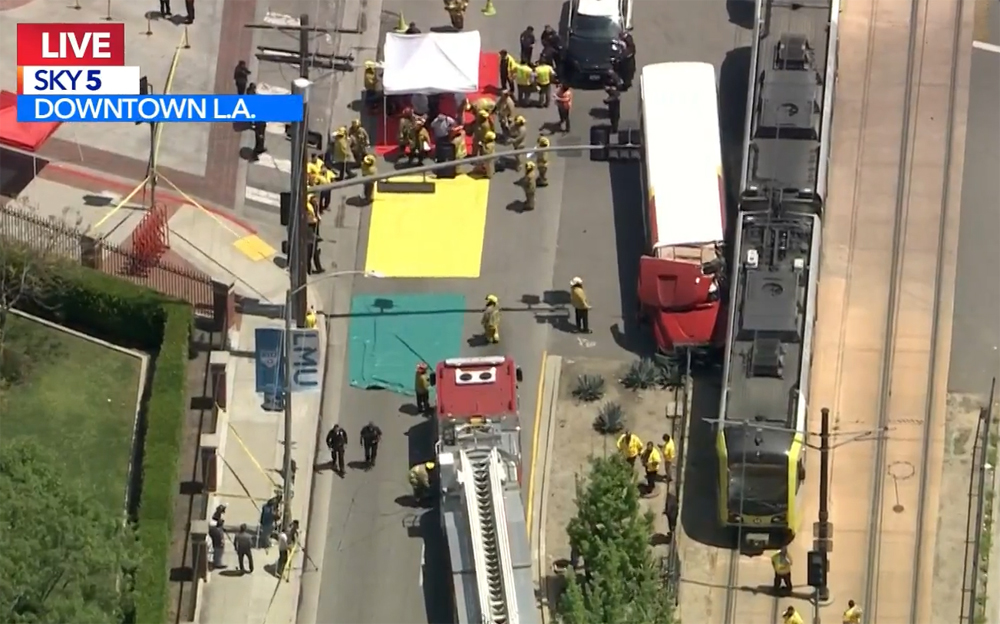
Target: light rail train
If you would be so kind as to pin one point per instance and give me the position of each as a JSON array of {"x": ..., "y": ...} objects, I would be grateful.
[{"x": 761, "y": 437}]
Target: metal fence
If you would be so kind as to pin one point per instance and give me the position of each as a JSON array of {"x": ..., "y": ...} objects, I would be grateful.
[
  {"x": 671, "y": 563},
  {"x": 979, "y": 522},
  {"x": 55, "y": 239}
]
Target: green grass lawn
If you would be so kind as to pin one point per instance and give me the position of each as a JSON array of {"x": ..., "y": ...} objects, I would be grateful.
[{"x": 74, "y": 397}]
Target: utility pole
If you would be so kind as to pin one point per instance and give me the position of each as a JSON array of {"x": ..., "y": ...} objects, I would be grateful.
[{"x": 824, "y": 530}]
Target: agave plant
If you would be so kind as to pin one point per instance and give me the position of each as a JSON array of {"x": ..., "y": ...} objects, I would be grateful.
[
  {"x": 588, "y": 388},
  {"x": 642, "y": 374},
  {"x": 610, "y": 418}
]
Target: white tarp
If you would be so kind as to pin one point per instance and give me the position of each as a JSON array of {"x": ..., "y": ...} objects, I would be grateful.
[{"x": 433, "y": 62}]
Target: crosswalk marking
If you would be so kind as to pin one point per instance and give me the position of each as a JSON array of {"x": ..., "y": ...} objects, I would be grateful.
[
  {"x": 261, "y": 196},
  {"x": 280, "y": 19},
  {"x": 281, "y": 164},
  {"x": 273, "y": 127}
]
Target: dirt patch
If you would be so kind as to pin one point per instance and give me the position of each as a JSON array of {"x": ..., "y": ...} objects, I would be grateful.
[
  {"x": 950, "y": 552},
  {"x": 649, "y": 414}
]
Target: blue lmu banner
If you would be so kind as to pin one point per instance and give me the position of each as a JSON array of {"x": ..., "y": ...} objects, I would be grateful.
[{"x": 269, "y": 360}]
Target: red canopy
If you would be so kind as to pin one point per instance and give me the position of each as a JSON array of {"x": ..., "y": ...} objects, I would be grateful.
[{"x": 27, "y": 136}]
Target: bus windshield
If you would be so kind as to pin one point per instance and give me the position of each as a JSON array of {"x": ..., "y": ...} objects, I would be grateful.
[{"x": 756, "y": 489}]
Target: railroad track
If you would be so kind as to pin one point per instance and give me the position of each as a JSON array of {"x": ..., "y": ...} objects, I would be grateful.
[{"x": 890, "y": 313}]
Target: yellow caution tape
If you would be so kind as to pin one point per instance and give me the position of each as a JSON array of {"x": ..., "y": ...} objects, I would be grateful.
[{"x": 253, "y": 459}]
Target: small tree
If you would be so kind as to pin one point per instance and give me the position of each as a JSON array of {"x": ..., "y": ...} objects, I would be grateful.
[
  {"x": 66, "y": 557},
  {"x": 620, "y": 583}
]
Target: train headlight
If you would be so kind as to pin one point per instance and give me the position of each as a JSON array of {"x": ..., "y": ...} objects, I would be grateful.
[{"x": 779, "y": 519}]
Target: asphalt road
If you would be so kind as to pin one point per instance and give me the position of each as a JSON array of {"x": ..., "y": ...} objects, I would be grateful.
[
  {"x": 975, "y": 352},
  {"x": 587, "y": 223}
]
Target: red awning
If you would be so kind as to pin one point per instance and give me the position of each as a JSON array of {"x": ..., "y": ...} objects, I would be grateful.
[{"x": 27, "y": 136}]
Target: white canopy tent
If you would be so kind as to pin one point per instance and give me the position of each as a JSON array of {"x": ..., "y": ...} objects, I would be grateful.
[{"x": 434, "y": 62}]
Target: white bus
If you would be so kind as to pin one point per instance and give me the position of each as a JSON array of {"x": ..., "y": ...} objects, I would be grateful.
[{"x": 684, "y": 204}]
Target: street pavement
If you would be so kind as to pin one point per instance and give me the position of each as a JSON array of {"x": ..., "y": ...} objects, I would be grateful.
[
  {"x": 975, "y": 355},
  {"x": 268, "y": 175},
  {"x": 371, "y": 566}
]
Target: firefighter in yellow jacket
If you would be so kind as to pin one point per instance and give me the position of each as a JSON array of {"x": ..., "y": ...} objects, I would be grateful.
[
  {"x": 504, "y": 111},
  {"x": 630, "y": 446},
  {"x": 456, "y": 13},
  {"x": 529, "y": 183},
  {"x": 491, "y": 320},
  {"x": 422, "y": 388},
  {"x": 542, "y": 160},
  {"x": 458, "y": 144},
  {"x": 420, "y": 479},
  {"x": 359, "y": 139},
  {"x": 782, "y": 564},
  {"x": 581, "y": 307},
  {"x": 488, "y": 167},
  {"x": 341, "y": 153},
  {"x": 518, "y": 136},
  {"x": 368, "y": 169},
  {"x": 651, "y": 460}
]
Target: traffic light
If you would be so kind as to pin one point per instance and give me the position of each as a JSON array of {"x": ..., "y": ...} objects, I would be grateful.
[
  {"x": 816, "y": 568},
  {"x": 143, "y": 90}
]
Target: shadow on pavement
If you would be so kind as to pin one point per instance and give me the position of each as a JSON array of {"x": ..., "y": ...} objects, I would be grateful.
[
  {"x": 699, "y": 502},
  {"x": 733, "y": 85},
  {"x": 437, "y": 569},
  {"x": 629, "y": 243},
  {"x": 742, "y": 13}
]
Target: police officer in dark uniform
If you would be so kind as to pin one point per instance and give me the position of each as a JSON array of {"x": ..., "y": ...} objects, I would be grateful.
[
  {"x": 371, "y": 435},
  {"x": 336, "y": 441},
  {"x": 315, "y": 260},
  {"x": 626, "y": 62},
  {"x": 614, "y": 104},
  {"x": 259, "y": 129},
  {"x": 527, "y": 44},
  {"x": 241, "y": 76}
]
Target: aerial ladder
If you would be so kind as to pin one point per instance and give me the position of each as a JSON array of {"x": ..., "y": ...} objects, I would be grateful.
[{"x": 482, "y": 475}]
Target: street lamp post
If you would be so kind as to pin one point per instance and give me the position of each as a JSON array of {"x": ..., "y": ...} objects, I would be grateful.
[{"x": 286, "y": 491}]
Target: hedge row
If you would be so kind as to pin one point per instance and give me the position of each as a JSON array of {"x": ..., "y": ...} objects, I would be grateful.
[{"x": 133, "y": 316}]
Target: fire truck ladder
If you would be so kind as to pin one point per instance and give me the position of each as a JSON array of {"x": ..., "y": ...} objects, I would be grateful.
[{"x": 490, "y": 541}]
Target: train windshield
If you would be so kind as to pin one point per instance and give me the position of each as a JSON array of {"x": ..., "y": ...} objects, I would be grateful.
[{"x": 758, "y": 489}]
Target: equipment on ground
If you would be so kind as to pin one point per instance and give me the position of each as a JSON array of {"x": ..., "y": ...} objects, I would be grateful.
[
  {"x": 682, "y": 270},
  {"x": 762, "y": 432},
  {"x": 478, "y": 452}
]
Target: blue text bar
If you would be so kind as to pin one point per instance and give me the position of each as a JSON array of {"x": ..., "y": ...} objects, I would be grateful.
[{"x": 160, "y": 108}]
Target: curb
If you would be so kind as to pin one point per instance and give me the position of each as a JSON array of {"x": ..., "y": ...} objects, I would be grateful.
[
  {"x": 543, "y": 450},
  {"x": 61, "y": 170}
]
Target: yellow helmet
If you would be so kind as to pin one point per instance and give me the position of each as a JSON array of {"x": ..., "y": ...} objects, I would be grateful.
[
  {"x": 543, "y": 141},
  {"x": 529, "y": 165},
  {"x": 489, "y": 137},
  {"x": 429, "y": 465},
  {"x": 368, "y": 160},
  {"x": 483, "y": 114},
  {"x": 340, "y": 132},
  {"x": 492, "y": 299},
  {"x": 369, "y": 64},
  {"x": 519, "y": 120},
  {"x": 356, "y": 123}
]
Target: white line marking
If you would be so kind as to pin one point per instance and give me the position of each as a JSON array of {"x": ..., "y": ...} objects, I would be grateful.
[
  {"x": 263, "y": 197},
  {"x": 989, "y": 47},
  {"x": 281, "y": 164},
  {"x": 280, "y": 19},
  {"x": 586, "y": 344},
  {"x": 423, "y": 550}
]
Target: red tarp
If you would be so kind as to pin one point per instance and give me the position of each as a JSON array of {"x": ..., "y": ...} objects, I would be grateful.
[{"x": 26, "y": 136}]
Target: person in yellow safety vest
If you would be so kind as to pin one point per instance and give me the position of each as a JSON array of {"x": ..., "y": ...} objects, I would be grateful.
[
  {"x": 782, "y": 565},
  {"x": 630, "y": 446},
  {"x": 315, "y": 166},
  {"x": 341, "y": 153},
  {"x": 542, "y": 160},
  {"x": 326, "y": 176},
  {"x": 373, "y": 90},
  {"x": 505, "y": 71},
  {"x": 420, "y": 479},
  {"x": 491, "y": 319},
  {"x": 791, "y": 616},
  {"x": 421, "y": 148},
  {"x": 853, "y": 613},
  {"x": 422, "y": 388},
  {"x": 312, "y": 213},
  {"x": 651, "y": 461},
  {"x": 581, "y": 307},
  {"x": 518, "y": 135},
  {"x": 360, "y": 141},
  {"x": 458, "y": 144},
  {"x": 311, "y": 318},
  {"x": 407, "y": 131},
  {"x": 481, "y": 127},
  {"x": 543, "y": 78},
  {"x": 489, "y": 167},
  {"x": 504, "y": 110},
  {"x": 525, "y": 80},
  {"x": 529, "y": 183},
  {"x": 368, "y": 170},
  {"x": 669, "y": 455}
]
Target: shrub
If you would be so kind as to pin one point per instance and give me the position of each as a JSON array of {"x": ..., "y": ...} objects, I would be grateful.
[
  {"x": 132, "y": 316},
  {"x": 642, "y": 374},
  {"x": 589, "y": 388},
  {"x": 610, "y": 418}
]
